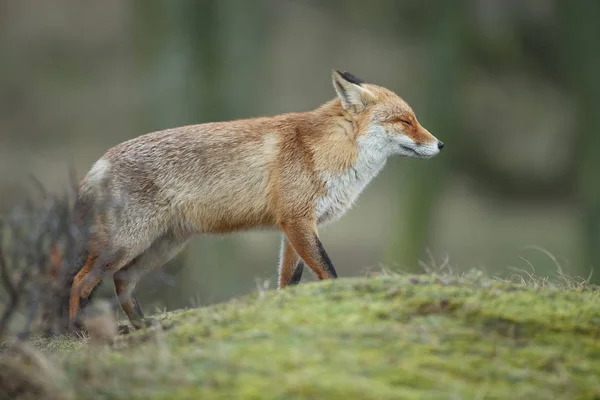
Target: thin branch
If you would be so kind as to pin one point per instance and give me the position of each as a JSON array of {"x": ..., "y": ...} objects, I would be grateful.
[
  {"x": 39, "y": 186},
  {"x": 12, "y": 307},
  {"x": 6, "y": 281}
]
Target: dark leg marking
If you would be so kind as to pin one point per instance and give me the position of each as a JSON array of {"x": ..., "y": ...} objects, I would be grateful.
[
  {"x": 137, "y": 308},
  {"x": 297, "y": 276},
  {"x": 325, "y": 258}
]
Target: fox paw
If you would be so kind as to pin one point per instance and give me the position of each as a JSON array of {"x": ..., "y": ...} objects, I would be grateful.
[
  {"x": 144, "y": 323},
  {"x": 124, "y": 329}
]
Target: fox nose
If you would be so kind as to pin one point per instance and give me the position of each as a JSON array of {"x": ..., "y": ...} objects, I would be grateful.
[{"x": 440, "y": 144}]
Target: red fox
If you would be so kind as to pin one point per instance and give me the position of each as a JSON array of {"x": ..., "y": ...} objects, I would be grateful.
[{"x": 293, "y": 172}]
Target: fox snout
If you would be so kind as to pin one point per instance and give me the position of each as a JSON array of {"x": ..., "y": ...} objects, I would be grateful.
[{"x": 428, "y": 146}]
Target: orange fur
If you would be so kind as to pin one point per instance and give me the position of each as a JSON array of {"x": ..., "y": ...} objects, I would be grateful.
[
  {"x": 76, "y": 290},
  {"x": 56, "y": 260}
]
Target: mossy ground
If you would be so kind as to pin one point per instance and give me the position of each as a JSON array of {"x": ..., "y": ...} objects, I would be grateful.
[{"x": 388, "y": 337}]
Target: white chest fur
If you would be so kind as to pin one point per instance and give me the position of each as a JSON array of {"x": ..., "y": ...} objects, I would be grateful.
[{"x": 344, "y": 188}]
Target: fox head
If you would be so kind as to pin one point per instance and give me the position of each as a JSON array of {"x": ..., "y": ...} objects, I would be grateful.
[{"x": 383, "y": 119}]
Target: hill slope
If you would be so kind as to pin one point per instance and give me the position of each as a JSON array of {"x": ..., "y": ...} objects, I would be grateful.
[{"x": 425, "y": 337}]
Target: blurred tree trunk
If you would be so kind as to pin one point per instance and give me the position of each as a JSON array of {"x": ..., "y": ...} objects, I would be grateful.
[
  {"x": 159, "y": 60},
  {"x": 178, "y": 59},
  {"x": 204, "y": 22},
  {"x": 207, "y": 68},
  {"x": 439, "y": 115},
  {"x": 579, "y": 31},
  {"x": 228, "y": 41}
]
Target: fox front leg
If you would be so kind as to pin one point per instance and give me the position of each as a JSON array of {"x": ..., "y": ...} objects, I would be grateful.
[
  {"x": 297, "y": 276},
  {"x": 290, "y": 266},
  {"x": 303, "y": 238}
]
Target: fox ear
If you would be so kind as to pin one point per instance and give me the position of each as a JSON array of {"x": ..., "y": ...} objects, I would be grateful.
[{"x": 349, "y": 89}]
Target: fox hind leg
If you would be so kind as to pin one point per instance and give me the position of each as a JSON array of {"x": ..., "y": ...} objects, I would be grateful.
[
  {"x": 86, "y": 280},
  {"x": 125, "y": 280}
]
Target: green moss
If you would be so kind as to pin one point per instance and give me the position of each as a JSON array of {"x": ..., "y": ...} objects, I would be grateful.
[
  {"x": 57, "y": 344},
  {"x": 424, "y": 337}
]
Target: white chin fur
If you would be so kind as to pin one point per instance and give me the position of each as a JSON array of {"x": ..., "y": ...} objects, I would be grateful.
[
  {"x": 427, "y": 151},
  {"x": 408, "y": 148},
  {"x": 396, "y": 144}
]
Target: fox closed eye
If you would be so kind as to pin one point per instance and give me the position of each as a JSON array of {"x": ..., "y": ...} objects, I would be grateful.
[{"x": 400, "y": 119}]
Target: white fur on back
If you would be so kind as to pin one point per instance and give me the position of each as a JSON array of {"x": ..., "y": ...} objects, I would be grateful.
[
  {"x": 98, "y": 171},
  {"x": 344, "y": 188}
]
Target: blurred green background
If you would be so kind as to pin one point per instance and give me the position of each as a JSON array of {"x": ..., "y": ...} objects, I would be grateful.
[{"x": 511, "y": 86}]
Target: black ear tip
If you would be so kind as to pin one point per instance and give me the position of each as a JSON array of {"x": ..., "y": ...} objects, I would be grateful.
[{"x": 350, "y": 77}]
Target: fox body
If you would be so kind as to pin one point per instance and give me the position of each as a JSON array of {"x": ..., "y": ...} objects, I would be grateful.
[{"x": 146, "y": 197}]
